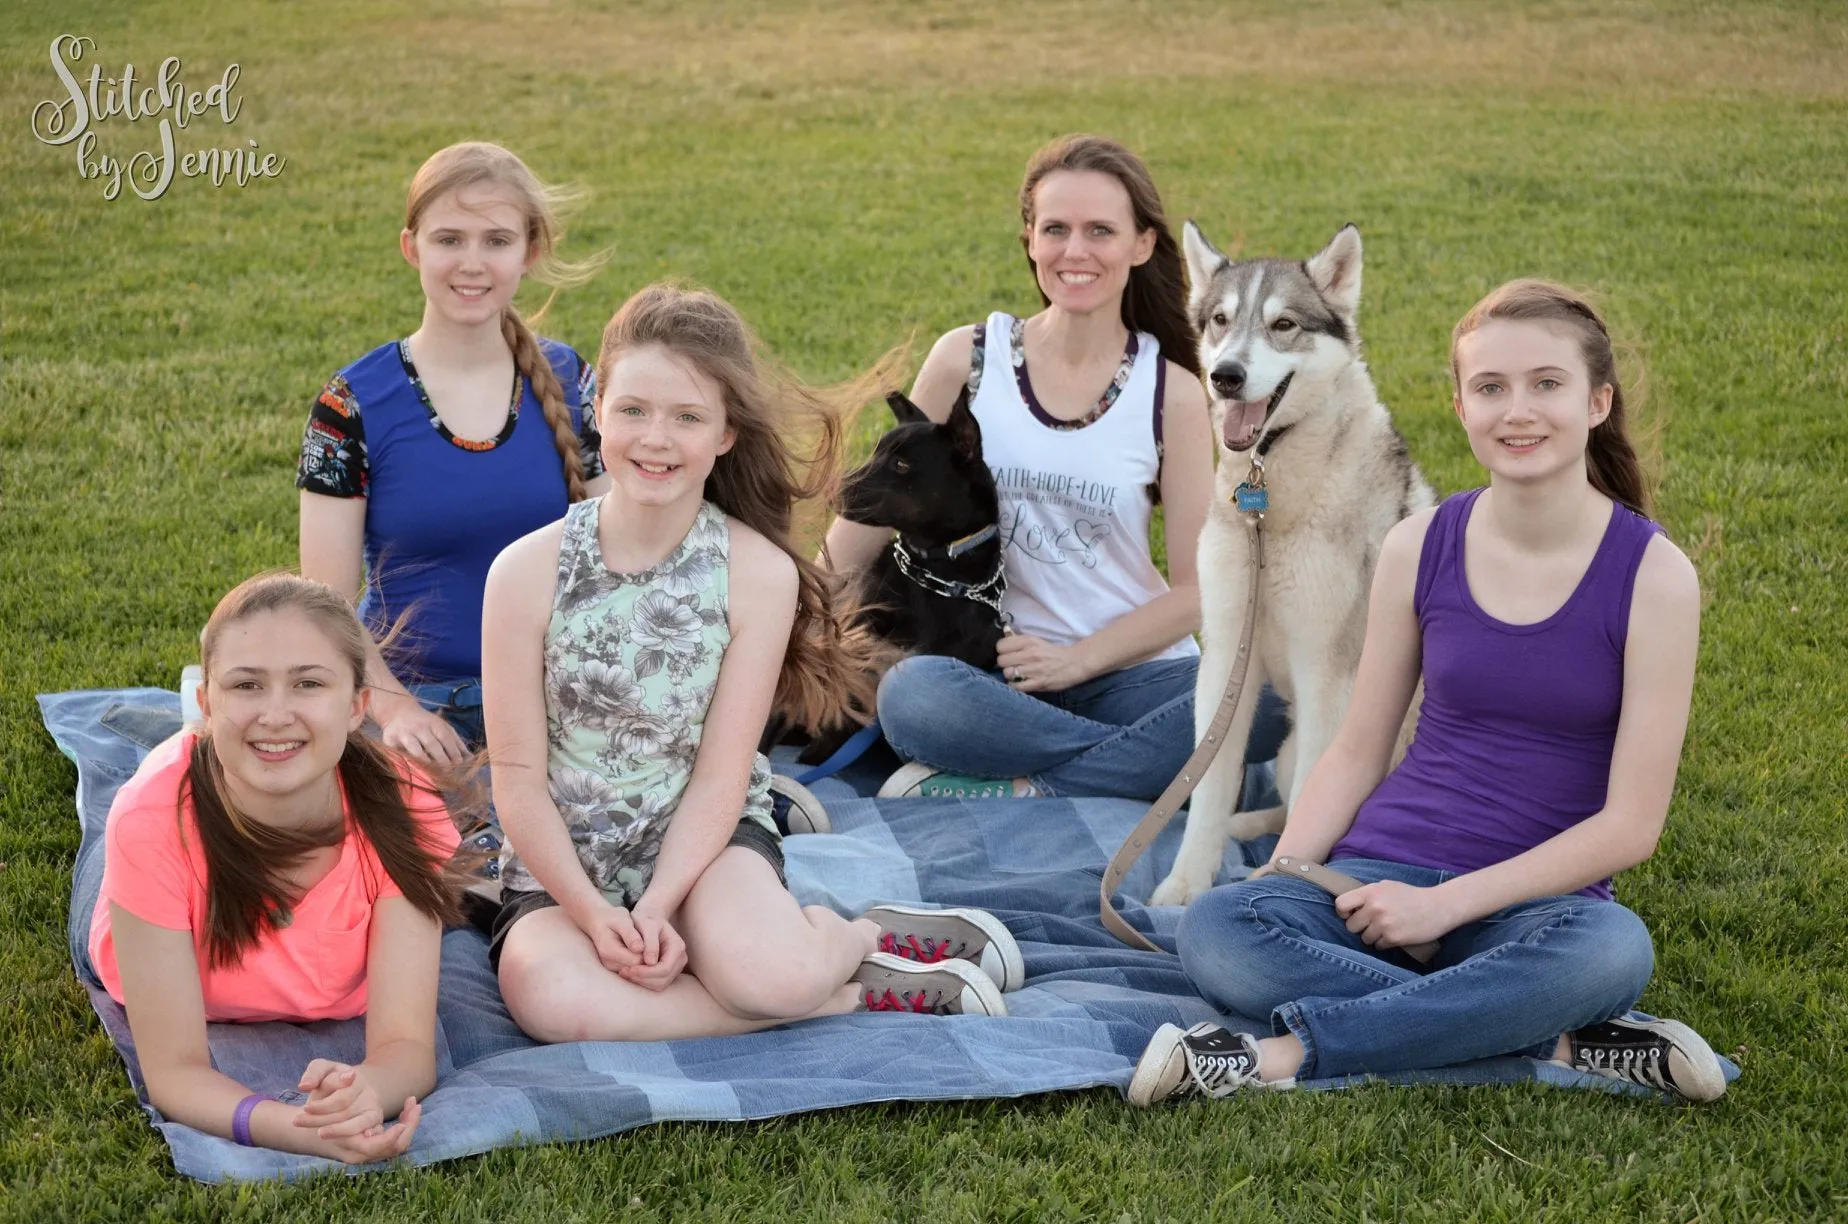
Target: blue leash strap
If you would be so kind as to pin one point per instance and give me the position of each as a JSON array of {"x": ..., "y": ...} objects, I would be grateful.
[{"x": 845, "y": 755}]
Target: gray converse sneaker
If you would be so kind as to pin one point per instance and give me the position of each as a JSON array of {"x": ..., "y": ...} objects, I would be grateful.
[
  {"x": 947, "y": 988},
  {"x": 931, "y": 935},
  {"x": 1205, "y": 1060},
  {"x": 1665, "y": 1055},
  {"x": 795, "y": 808}
]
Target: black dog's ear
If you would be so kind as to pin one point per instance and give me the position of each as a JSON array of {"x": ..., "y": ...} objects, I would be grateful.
[
  {"x": 907, "y": 412},
  {"x": 965, "y": 432}
]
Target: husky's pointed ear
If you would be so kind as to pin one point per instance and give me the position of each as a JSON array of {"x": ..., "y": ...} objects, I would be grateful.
[
  {"x": 1203, "y": 259},
  {"x": 1335, "y": 269},
  {"x": 907, "y": 412},
  {"x": 965, "y": 431}
]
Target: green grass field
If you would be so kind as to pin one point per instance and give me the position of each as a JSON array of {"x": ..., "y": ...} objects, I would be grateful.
[{"x": 845, "y": 175}]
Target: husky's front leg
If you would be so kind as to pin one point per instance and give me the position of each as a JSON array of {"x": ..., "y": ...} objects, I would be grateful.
[
  {"x": 1325, "y": 671},
  {"x": 1210, "y": 811}
]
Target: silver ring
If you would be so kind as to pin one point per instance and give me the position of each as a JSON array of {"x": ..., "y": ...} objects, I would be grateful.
[{"x": 1019, "y": 675}]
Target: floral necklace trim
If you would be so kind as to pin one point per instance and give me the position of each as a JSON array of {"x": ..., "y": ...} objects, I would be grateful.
[
  {"x": 1017, "y": 343},
  {"x": 436, "y": 422}
]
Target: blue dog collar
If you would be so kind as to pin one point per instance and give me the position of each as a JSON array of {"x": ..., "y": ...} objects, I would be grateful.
[{"x": 955, "y": 548}]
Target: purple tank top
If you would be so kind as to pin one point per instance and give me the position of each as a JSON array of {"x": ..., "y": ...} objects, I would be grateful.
[{"x": 1515, "y": 735}]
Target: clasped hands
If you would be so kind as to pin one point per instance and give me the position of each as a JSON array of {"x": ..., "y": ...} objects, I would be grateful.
[
  {"x": 637, "y": 945},
  {"x": 345, "y": 1112}
]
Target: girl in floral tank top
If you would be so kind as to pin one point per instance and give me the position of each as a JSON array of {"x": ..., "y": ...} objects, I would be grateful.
[
  {"x": 626, "y": 690},
  {"x": 631, "y": 662}
]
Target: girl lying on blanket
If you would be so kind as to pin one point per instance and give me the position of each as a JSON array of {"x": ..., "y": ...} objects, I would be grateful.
[
  {"x": 263, "y": 867},
  {"x": 418, "y": 467},
  {"x": 630, "y": 655},
  {"x": 1554, "y": 627}
]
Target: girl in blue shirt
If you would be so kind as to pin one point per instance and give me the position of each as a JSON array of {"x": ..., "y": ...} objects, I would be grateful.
[{"x": 427, "y": 456}]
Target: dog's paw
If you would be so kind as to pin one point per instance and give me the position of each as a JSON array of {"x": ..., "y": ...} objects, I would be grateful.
[
  {"x": 1245, "y": 826},
  {"x": 1179, "y": 888}
]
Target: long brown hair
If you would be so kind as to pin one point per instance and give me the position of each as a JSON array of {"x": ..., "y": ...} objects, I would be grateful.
[
  {"x": 246, "y": 894},
  {"x": 1155, "y": 300},
  {"x": 1611, "y": 459},
  {"x": 473, "y": 162},
  {"x": 786, "y": 453}
]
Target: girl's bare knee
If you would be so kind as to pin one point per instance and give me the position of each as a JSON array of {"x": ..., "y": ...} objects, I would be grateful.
[
  {"x": 548, "y": 1007},
  {"x": 791, "y": 986}
]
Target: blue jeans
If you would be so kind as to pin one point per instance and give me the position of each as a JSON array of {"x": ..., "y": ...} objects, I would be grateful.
[
  {"x": 1510, "y": 983},
  {"x": 1124, "y": 734},
  {"x": 459, "y": 702}
]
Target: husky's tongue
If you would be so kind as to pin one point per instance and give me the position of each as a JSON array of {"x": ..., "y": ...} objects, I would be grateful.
[{"x": 1243, "y": 421}]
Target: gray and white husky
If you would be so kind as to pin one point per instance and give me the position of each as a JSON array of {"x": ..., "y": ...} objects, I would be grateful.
[{"x": 1287, "y": 384}]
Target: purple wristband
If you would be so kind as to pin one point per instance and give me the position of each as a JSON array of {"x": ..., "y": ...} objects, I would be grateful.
[{"x": 240, "y": 1118}]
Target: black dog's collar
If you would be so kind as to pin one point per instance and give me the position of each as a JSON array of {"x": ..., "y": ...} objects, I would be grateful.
[
  {"x": 989, "y": 591},
  {"x": 955, "y": 548}
]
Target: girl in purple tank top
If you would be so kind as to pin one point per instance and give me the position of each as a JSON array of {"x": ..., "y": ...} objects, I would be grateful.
[{"x": 1554, "y": 628}]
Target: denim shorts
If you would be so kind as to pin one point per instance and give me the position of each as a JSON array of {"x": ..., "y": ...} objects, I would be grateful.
[{"x": 516, "y": 905}]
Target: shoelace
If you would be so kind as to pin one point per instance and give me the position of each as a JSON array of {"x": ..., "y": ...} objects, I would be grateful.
[
  {"x": 1214, "y": 1074},
  {"x": 891, "y": 1000},
  {"x": 924, "y": 951},
  {"x": 1638, "y": 1064}
]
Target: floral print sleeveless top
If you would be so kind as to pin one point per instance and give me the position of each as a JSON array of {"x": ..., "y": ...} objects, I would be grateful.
[{"x": 631, "y": 662}]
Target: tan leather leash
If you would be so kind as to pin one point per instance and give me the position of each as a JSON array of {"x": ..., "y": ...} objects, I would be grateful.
[{"x": 1252, "y": 499}]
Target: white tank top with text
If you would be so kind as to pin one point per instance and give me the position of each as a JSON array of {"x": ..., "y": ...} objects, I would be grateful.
[{"x": 1075, "y": 495}]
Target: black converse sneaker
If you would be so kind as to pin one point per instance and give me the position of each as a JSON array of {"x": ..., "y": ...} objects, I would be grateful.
[
  {"x": 1665, "y": 1055},
  {"x": 1205, "y": 1060}
]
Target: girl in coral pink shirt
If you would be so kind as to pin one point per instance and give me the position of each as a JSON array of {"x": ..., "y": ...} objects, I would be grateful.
[{"x": 262, "y": 867}]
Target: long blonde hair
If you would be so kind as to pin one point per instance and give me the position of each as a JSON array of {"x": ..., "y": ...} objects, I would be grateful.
[
  {"x": 787, "y": 452},
  {"x": 476, "y": 161}
]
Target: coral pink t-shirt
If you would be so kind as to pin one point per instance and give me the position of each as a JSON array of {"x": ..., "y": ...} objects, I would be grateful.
[{"x": 312, "y": 969}]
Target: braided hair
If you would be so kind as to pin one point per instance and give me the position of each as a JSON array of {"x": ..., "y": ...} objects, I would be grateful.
[{"x": 475, "y": 161}]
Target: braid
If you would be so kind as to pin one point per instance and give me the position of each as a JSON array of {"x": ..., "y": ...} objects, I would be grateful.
[{"x": 538, "y": 371}]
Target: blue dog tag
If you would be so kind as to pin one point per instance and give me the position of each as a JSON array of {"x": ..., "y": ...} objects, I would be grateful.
[{"x": 1252, "y": 499}]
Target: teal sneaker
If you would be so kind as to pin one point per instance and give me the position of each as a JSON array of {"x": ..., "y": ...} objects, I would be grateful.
[{"x": 919, "y": 781}]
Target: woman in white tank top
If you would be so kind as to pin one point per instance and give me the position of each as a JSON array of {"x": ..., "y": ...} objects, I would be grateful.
[{"x": 1089, "y": 410}]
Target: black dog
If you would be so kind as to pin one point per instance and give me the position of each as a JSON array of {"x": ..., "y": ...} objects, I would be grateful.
[{"x": 936, "y": 588}]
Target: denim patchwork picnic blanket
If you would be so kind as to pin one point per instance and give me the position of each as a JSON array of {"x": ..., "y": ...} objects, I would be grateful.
[{"x": 1084, "y": 1017}]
